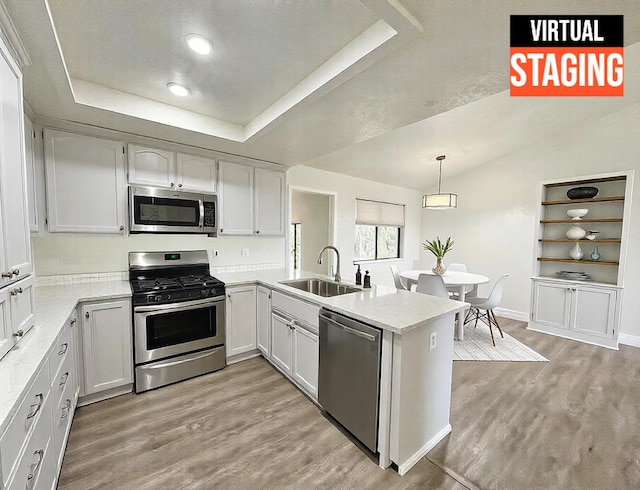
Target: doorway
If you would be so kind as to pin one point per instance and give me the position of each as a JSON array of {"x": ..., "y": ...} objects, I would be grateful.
[{"x": 311, "y": 228}]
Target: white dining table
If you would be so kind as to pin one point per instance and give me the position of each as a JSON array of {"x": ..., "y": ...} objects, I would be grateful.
[{"x": 451, "y": 279}]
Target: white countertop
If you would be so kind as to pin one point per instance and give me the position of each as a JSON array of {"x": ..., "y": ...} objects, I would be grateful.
[
  {"x": 53, "y": 306},
  {"x": 381, "y": 306}
]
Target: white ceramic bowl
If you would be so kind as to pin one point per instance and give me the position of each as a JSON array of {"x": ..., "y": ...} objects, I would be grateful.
[{"x": 577, "y": 213}]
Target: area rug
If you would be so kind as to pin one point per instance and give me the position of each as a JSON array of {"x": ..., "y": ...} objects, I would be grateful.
[{"x": 477, "y": 346}]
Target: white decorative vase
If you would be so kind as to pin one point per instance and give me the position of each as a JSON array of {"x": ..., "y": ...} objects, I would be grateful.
[
  {"x": 576, "y": 233},
  {"x": 576, "y": 214},
  {"x": 576, "y": 252}
]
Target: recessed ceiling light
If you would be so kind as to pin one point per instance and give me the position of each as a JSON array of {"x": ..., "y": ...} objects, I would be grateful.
[
  {"x": 178, "y": 89},
  {"x": 199, "y": 44}
]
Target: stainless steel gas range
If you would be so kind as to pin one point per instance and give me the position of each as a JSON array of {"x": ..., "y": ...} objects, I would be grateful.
[{"x": 178, "y": 317}]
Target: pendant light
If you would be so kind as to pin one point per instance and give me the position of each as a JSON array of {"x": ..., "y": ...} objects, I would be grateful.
[{"x": 440, "y": 200}]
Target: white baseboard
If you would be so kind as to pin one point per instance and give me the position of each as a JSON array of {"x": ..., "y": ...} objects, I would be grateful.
[
  {"x": 408, "y": 464},
  {"x": 512, "y": 314},
  {"x": 626, "y": 339}
]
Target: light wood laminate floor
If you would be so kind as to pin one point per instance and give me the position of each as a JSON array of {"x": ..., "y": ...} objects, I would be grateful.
[{"x": 573, "y": 423}]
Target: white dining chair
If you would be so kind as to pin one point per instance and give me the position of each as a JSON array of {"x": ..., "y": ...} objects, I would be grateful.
[
  {"x": 432, "y": 284},
  {"x": 469, "y": 290},
  {"x": 397, "y": 280},
  {"x": 486, "y": 305},
  {"x": 457, "y": 267}
]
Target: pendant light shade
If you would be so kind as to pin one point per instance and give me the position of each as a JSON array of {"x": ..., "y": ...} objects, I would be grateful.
[{"x": 440, "y": 200}]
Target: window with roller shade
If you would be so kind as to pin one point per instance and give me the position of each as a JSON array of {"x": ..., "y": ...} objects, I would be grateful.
[{"x": 378, "y": 230}]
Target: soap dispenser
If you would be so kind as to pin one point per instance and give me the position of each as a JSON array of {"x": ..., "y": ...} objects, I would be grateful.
[
  {"x": 367, "y": 280},
  {"x": 358, "y": 276}
]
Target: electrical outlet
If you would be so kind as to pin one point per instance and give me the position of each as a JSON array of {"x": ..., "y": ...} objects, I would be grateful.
[
  {"x": 245, "y": 252},
  {"x": 216, "y": 253},
  {"x": 433, "y": 340}
]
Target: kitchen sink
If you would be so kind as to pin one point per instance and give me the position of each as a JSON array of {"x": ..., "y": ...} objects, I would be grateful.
[{"x": 321, "y": 287}]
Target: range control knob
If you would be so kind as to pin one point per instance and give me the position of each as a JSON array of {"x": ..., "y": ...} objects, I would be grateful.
[
  {"x": 204, "y": 292},
  {"x": 168, "y": 296}
]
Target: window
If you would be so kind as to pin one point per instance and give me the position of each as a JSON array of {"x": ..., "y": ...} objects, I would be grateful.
[{"x": 378, "y": 230}]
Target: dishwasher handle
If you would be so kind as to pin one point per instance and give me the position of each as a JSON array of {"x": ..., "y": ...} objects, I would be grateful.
[{"x": 350, "y": 330}]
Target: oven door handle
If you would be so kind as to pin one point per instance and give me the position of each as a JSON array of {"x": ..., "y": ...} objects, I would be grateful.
[
  {"x": 185, "y": 305},
  {"x": 178, "y": 362}
]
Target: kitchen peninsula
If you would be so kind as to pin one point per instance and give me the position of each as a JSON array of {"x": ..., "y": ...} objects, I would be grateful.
[{"x": 416, "y": 364}]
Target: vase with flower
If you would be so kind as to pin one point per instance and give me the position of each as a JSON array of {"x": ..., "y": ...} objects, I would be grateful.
[{"x": 439, "y": 249}]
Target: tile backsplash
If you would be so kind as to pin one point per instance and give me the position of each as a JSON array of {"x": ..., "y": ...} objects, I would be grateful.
[
  {"x": 124, "y": 275},
  {"x": 80, "y": 278}
]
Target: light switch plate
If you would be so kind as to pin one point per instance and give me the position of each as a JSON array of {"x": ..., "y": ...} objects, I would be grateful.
[{"x": 245, "y": 252}]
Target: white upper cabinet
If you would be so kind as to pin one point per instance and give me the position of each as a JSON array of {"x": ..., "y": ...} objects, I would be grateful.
[
  {"x": 269, "y": 202},
  {"x": 235, "y": 199},
  {"x": 150, "y": 166},
  {"x": 195, "y": 173},
  {"x": 15, "y": 246},
  {"x": 30, "y": 165},
  {"x": 166, "y": 169},
  {"x": 251, "y": 200},
  {"x": 86, "y": 191}
]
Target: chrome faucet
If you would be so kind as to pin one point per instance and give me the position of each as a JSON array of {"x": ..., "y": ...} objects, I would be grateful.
[{"x": 337, "y": 276}]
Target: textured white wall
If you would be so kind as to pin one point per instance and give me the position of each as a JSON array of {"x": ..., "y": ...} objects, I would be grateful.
[
  {"x": 347, "y": 189},
  {"x": 494, "y": 224}
]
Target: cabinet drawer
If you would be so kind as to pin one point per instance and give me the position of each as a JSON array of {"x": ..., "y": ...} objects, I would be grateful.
[
  {"x": 62, "y": 417},
  {"x": 34, "y": 467},
  {"x": 29, "y": 412},
  {"x": 302, "y": 310},
  {"x": 65, "y": 376},
  {"x": 61, "y": 352}
]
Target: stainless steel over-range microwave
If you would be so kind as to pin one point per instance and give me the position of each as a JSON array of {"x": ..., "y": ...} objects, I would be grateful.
[{"x": 154, "y": 210}]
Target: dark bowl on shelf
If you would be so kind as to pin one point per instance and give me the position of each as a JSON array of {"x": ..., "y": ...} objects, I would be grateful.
[{"x": 582, "y": 192}]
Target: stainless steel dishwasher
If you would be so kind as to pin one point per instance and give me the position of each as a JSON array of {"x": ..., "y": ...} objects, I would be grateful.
[{"x": 349, "y": 375}]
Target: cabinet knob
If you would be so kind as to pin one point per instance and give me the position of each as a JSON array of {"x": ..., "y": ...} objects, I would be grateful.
[
  {"x": 257, "y": 231},
  {"x": 16, "y": 291},
  {"x": 173, "y": 184},
  {"x": 19, "y": 333},
  {"x": 72, "y": 322},
  {"x": 179, "y": 185},
  {"x": 121, "y": 227},
  {"x": 86, "y": 315},
  {"x": 221, "y": 230}
]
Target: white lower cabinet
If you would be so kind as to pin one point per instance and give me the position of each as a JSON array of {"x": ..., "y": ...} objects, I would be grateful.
[
  {"x": 263, "y": 311},
  {"x": 17, "y": 312},
  {"x": 588, "y": 313},
  {"x": 305, "y": 358},
  {"x": 6, "y": 330},
  {"x": 32, "y": 446},
  {"x": 294, "y": 341},
  {"x": 241, "y": 320},
  {"x": 64, "y": 388},
  {"x": 106, "y": 345},
  {"x": 281, "y": 344}
]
